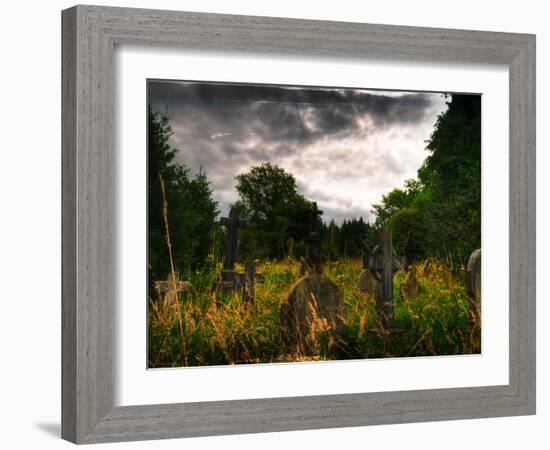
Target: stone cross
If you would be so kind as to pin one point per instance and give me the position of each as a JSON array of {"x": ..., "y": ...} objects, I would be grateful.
[
  {"x": 383, "y": 263},
  {"x": 315, "y": 213},
  {"x": 313, "y": 253},
  {"x": 232, "y": 224},
  {"x": 312, "y": 260}
]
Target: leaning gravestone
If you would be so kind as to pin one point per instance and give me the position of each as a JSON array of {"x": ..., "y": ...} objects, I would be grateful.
[
  {"x": 472, "y": 282},
  {"x": 314, "y": 302},
  {"x": 170, "y": 289},
  {"x": 410, "y": 287}
]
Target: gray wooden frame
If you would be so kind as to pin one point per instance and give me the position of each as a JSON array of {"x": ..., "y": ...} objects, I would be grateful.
[{"x": 89, "y": 36}]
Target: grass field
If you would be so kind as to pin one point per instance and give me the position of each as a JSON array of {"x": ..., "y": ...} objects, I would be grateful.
[{"x": 209, "y": 328}]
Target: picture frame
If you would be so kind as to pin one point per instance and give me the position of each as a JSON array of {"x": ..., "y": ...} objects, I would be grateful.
[{"x": 89, "y": 37}]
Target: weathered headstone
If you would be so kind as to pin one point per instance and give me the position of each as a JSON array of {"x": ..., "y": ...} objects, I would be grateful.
[
  {"x": 169, "y": 291},
  {"x": 410, "y": 287},
  {"x": 314, "y": 303},
  {"x": 472, "y": 282},
  {"x": 429, "y": 266}
]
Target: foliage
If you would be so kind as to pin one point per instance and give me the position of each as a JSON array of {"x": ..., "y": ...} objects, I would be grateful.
[
  {"x": 394, "y": 201},
  {"x": 190, "y": 206},
  {"x": 442, "y": 208},
  {"x": 276, "y": 212},
  {"x": 345, "y": 240}
]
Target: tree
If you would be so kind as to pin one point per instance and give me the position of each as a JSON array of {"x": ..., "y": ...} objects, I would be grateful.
[
  {"x": 276, "y": 212},
  {"x": 266, "y": 190},
  {"x": 409, "y": 223},
  {"x": 353, "y": 233},
  {"x": 191, "y": 210},
  {"x": 394, "y": 201},
  {"x": 442, "y": 208},
  {"x": 331, "y": 241}
]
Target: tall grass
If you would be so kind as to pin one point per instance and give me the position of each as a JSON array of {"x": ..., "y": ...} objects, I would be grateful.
[{"x": 217, "y": 328}]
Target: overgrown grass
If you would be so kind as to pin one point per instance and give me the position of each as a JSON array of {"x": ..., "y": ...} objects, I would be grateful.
[{"x": 212, "y": 328}]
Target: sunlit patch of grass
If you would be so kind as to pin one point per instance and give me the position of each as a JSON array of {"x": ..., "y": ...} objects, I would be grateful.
[{"x": 217, "y": 328}]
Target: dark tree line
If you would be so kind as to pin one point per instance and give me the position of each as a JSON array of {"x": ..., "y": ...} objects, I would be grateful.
[
  {"x": 345, "y": 240},
  {"x": 190, "y": 209},
  {"x": 279, "y": 219},
  {"x": 442, "y": 208}
]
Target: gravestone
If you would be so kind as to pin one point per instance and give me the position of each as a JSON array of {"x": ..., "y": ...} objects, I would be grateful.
[
  {"x": 169, "y": 291},
  {"x": 429, "y": 266},
  {"x": 472, "y": 282},
  {"x": 383, "y": 263},
  {"x": 314, "y": 303},
  {"x": 232, "y": 224},
  {"x": 232, "y": 280},
  {"x": 410, "y": 287}
]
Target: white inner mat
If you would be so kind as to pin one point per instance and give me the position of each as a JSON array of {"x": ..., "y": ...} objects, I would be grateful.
[{"x": 135, "y": 385}]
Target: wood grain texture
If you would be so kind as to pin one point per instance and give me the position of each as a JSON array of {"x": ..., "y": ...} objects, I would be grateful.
[
  {"x": 89, "y": 36},
  {"x": 68, "y": 226}
]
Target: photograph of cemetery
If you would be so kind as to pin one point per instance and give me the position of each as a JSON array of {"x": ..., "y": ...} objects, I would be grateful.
[{"x": 290, "y": 224}]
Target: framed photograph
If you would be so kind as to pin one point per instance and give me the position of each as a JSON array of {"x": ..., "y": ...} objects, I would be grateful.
[{"x": 267, "y": 222}]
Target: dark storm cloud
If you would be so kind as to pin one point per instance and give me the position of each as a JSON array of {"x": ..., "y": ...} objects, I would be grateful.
[
  {"x": 282, "y": 108},
  {"x": 315, "y": 133}
]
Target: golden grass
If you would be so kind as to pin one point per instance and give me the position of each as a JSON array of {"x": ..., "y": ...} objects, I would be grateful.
[{"x": 218, "y": 328}]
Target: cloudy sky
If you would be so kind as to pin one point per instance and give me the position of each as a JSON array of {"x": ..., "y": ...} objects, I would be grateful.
[{"x": 345, "y": 147}]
